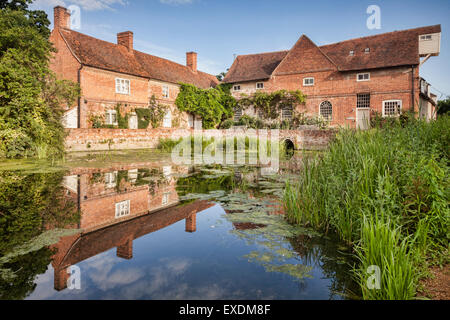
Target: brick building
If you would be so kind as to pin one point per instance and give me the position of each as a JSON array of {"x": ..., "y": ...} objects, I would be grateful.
[
  {"x": 346, "y": 81},
  {"x": 111, "y": 74}
]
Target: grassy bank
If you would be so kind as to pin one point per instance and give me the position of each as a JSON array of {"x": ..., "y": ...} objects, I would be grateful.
[
  {"x": 386, "y": 192},
  {"x": 245, "y": 144}
]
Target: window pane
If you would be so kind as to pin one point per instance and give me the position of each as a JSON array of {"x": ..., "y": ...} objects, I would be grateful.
[
  {"x": 363, "y": 101},
  {"x": 326, "y": 110}
]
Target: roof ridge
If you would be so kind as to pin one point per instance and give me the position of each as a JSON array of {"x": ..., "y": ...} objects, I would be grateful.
[
  {"x": 117, "y": 46},
  {"x": 302, "y": 38},
  {"x": 257, "y": 54},
  {"x": 380, "y": 34}
]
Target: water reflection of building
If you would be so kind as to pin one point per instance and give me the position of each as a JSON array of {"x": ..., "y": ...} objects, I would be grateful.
[
  {"x": 107, "y": 196},
  {"x": 118, "y": 207}
]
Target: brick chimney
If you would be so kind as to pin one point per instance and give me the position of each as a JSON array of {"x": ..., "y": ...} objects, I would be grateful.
[
  {"x": 191, "y": 61},
  {"x": 125, "y": 251},
  {"x": 62, "y": 17},
  {"x": 191, "y": 223},
  {"x": 126, "y": 39}
]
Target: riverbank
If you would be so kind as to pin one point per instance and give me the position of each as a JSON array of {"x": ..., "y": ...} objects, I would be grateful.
[{"x": 385, "y": 191}]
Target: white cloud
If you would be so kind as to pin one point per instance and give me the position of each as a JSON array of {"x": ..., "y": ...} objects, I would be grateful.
[
  {"x": 88, "y": 5},
  {"x": 176, "y": 2}
]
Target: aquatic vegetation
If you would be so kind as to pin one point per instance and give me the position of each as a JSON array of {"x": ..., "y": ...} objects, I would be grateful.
[{"x": 397, "y": 174}]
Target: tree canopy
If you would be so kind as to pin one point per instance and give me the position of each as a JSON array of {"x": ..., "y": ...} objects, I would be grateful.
[{"x": 30, "y": 95}]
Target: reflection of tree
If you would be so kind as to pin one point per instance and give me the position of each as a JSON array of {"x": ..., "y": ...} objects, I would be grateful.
[
  {"x": 198, "y": 184},
  {"x": 332, "y": 259},
  {"x": 29, "y": 205},
  {"x": 26, "y": 268}
]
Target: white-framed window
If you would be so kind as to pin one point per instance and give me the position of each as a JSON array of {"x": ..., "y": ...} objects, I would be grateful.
[
  {"x": 122, "y": 209},
  {"x": 326, "y": 110},
  {"x": 351, "y": 53},
  {"x": 165, "y": 198},
  {"x": 237, "y": 114},
  {"x": 165, "y": 92},
  {"x": 167, "y": 121},
  {"x": 363, "y": 76},
  {"x": 122, "y": 86},
  {"x": 237, "y": 87},
  {"x": 367, "y": 50},
  {"x": 286, "y": 113},
  {"x": 426, "y": 37},
  {"x": 308, "y": 82},
  {"x": 111, "y": 117},
  {"x": 363, "y": 100},
  {"x": 260, "y": 85},
  {"x": 392, "y": 108},
  {"x": 111, "y": 179}
]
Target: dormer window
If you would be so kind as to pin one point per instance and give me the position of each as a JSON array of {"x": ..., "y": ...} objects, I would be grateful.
[
  {"x": 426, "y": 37},
  {"x": 363, "y": 77},
  {"x": 367, "y": 50},
  {"x": 352, "y": 53}
]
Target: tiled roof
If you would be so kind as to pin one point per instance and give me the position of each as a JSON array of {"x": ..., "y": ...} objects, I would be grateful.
[
  {"x": 304, "y": 56},
  {"x": 391, "y": 49},
  {"x": 398, "y": 48},
  {"x": 254, "y": 66},
  {"x": 109, "y": 56}
]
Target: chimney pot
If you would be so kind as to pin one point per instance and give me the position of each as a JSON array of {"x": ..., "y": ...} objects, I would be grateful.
[
  {"x": 61, "y": 17},
  {"x": 191, "y": 61},
  {"x": 126, "y": 39}
]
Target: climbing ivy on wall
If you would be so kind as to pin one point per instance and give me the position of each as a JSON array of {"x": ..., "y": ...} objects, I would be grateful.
[
  {"x": 269, "y": 105},
  {"x": 213, "y": 105},
  {"x": 153, "y": 115},
  {"x": 122, "y": 121}
]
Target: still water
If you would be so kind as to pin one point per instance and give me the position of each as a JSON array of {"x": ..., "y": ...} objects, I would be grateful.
[{"x": 139, "y": 227}]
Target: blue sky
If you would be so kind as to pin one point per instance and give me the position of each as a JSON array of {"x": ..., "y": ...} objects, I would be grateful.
[{"x": 218, "y": 29}]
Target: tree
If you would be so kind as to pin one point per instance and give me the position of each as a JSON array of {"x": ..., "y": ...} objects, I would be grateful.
[
  {"x": 443, "y": 106},
  {"x": 221, "y": 75},
  {"x": 30, "y": 95},
  {"x": 36, "y": 18}
]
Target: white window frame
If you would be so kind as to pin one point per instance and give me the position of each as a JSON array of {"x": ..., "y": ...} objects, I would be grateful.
[
  {"x": 166, "y": 198},
  {"x": 351, "y": 53},
  {"x": 426, "y": 37},
  {"x": 320, "y": 113},
  {"x": 259, "y": 83},
  {"x": 308, "y": 84},
  {"x": 123, "y": 86},
  {"x": 167, "y": 120},
  {"x": 108, "y": 117},
  {"x": 237, "y": 86},
  {"x": 122, "y": 209},
  {"x": 111, "y": 179},
  {"x": 165, "y": 92},
  {"x": 400, "y": 102},
  {"x": 364, "y": 73}
]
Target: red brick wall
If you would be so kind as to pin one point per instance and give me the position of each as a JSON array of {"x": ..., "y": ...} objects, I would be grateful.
[
  {"x": 119, "y": 139},
  {"x": 341, "y": 88}
]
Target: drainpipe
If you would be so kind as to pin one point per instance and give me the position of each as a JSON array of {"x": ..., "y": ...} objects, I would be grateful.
[
  {"x": 79, "y": 99},
  {"x": 412, "y": 88}
]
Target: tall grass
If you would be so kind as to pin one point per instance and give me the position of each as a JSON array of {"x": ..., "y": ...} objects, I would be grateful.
[{"x": 397, "y": 174}]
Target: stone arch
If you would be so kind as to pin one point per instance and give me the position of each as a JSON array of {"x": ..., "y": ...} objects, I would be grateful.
[{"x": 289, "y": 146}]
